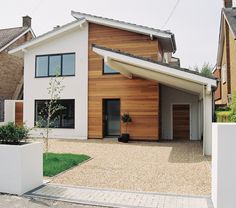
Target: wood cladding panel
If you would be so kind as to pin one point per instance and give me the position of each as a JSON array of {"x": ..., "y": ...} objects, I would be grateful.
[
  {"x": 138, "y": 97},
  {"x": 19, "y": 113},
  {"x": 181, "y": 120}
]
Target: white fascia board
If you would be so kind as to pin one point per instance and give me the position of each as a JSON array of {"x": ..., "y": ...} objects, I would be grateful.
[
  {"x": 156, "y": 67},
  {"x": 15, "y": 39},
  {"x": 46, "y": 36},
  {"x": 220, "y": 42},
  {"x": 121, "y": 25}
]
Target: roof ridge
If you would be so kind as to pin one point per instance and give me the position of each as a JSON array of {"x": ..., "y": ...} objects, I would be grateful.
[
  {"x": 10, "y": 28},
  {"x": 120, "y": 21}
]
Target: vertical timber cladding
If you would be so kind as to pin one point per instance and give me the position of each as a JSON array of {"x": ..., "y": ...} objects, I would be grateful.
[{"x": 138, "y": 97}]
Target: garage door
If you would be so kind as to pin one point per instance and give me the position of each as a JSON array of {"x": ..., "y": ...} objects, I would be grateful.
[{"x": 181, "y": 122}]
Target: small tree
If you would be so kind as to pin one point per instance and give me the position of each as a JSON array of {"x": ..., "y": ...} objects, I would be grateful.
[
  {"x": 126, "y": 120},
  {"x": 205, "y": 70},
  {"x": 48, "y": 114}
]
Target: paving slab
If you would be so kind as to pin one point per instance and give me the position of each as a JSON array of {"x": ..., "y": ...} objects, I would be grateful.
[{"x": 118, "y": 198}]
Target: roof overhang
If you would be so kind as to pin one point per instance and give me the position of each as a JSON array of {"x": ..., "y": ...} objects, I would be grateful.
[
  {"x": 167, "y": 39},
  {"x": 18, "y": 51},
  {"x": 131, "y": 66}
]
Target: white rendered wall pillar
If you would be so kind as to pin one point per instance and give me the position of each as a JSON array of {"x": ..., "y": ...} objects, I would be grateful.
[
  {"x": 224, "y": 165},
  {"x": 207, "y": 122}
]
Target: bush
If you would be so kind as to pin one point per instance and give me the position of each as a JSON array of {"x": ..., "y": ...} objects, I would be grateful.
[
  {"x": 13, "y": 134},
  {"x": 223, "y": 116}
]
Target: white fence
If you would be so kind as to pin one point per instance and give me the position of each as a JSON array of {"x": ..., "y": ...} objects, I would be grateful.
[{"x": 224, "y": 165}]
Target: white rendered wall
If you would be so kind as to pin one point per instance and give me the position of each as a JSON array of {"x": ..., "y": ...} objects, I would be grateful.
[
  {"x": 171, "y": 96},
  {"x": 76, "y": 87},
  {"x": 224, "y": 165}
]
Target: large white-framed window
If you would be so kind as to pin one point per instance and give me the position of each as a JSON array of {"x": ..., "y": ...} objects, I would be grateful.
[{"x": 55, "y": 64}]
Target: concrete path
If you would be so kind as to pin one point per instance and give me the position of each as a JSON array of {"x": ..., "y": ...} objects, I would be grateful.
[{"x": 118, "y": 198}]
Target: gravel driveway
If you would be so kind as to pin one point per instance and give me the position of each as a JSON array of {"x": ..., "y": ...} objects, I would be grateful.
[{"x": 167, "y": 167}]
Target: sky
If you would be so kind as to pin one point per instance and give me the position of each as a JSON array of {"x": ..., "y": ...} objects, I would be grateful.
[{"x": 195, "y": 23}]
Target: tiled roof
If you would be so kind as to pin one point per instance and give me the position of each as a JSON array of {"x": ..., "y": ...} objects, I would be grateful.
[
  {"x": 230, "y": 14},
  {"x": 152, "y": 61},
  {"x": 9, "y": 34}
]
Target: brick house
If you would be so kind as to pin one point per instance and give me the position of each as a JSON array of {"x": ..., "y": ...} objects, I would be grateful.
[
  {"x": 11, "y": 67},
  {"x": 225, "y": 69}
]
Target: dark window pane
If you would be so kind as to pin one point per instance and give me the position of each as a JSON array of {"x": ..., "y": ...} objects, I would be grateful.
[
  {"x": 68, "y": 67},
  {"x": 63, "y": 118},
  {"x": 109, "y": 70},
  {"x": 41, "y": 66},
  {"x": 54, "y": 65}
]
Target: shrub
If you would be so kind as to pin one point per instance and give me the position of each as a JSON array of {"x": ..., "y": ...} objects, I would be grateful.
[
  {"x": 223, "y": 116},
  {"x": 126, "y": 120},
  {"x": 13, "y": 134}
]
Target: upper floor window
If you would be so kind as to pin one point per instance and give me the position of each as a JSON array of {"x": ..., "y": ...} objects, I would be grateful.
[
  {"x": 58, "y": 64},
  {"x": 108, "y": 70}
]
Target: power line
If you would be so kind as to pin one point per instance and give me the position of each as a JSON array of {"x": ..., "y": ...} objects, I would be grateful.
[{"x": 171, "y": 14}]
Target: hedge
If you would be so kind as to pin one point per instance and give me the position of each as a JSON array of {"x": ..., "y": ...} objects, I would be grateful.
[{"x": 223, "y": 116}]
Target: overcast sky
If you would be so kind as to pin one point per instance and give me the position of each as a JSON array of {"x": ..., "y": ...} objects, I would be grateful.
[{"x": 195, "y": 23}]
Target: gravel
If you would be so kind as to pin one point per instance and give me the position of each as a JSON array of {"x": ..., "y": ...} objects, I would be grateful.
[{"x": 166, "y": 167}]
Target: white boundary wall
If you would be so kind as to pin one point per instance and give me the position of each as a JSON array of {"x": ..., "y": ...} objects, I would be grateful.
[{"x": 224, "y": 165}]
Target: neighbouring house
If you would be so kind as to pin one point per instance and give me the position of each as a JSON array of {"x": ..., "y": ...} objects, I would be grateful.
[
  {"x": 225, "y": 69},
  {"x": 11, "y": 67},
  {"x": 112, "y": 67}
]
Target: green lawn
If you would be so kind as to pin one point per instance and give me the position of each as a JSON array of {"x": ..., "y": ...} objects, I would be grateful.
[{"x": 55, "y": 163}]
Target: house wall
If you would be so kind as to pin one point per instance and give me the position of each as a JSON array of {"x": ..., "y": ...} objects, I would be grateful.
[
  {"x": 173, "y": 96},
  {"x": 232, "y": 55},
  {"x": 139, "y": 97},
  {"x": 11, "y": 71},
  {"x": 75, "y": 86},
  {"x": 228, "y": 58},
  {"x": 217, "y": 74}
]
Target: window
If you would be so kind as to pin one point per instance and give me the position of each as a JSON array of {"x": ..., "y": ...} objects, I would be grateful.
[
  {"x": 108, "y": 70},
  {"x": 58, "y": 64},
  {"x": 64, "y": 118},
  {"x": 224, "y": 73}
]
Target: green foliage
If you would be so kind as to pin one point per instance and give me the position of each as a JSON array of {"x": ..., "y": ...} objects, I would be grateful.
[
  {"x": 223, "y": 116},
  {"x": 233, "y": 108},
  {"x": 205, "y": 70},
  {"x": 126, "y": 120},
  {"x": 54, "y": 163},
  {"x": 13, "y": 134}
]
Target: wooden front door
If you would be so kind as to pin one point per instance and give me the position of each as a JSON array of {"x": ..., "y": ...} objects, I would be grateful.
[
  {"x": 19, "y": 113},
  {"x": 181, "y": 121}
]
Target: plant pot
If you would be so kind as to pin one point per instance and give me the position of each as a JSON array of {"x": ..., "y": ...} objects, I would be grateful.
[
  {"x": 21, "y": 167},
  {"x": 124, "y": 138}
]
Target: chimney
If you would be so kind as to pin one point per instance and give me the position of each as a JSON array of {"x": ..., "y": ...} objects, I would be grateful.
[
  {"x": 228, "y": 3},
  {"x": 26, "y": 21}
]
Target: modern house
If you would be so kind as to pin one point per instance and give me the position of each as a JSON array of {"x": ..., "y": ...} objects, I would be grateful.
[
  {"x": 225, "y": 69},
  {"x": 112, "y": 67},
  {"x": 11, "y": 67}
]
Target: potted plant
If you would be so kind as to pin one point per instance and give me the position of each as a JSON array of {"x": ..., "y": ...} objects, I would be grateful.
[
  {"x": 126, "y": 119},
  {"x": 21, "y": 161}
]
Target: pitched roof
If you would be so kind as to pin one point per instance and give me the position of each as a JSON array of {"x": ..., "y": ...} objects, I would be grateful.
[
  {"x": 9, "y": 34},
  {"x": 166, "y": 37},
  {"x": 153, "y": 61},
  {"x": 230, "y": 15}
]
